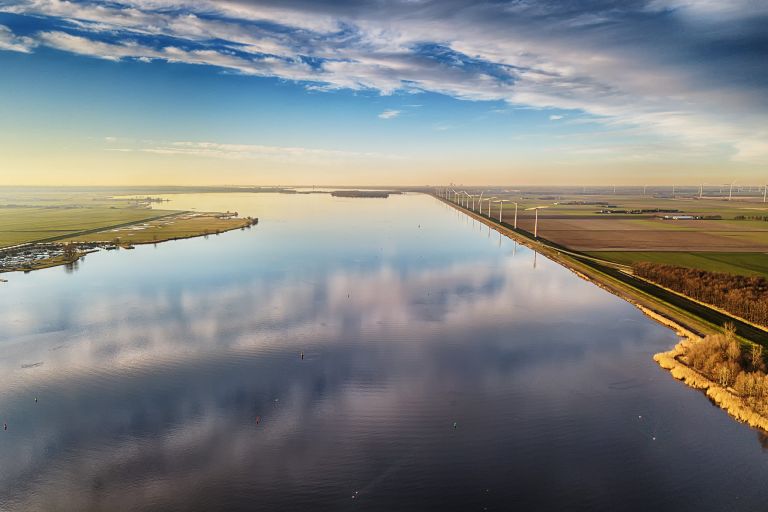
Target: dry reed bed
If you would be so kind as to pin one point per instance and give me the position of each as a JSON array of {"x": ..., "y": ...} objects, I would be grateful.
[{"x": 737, "y": 405}]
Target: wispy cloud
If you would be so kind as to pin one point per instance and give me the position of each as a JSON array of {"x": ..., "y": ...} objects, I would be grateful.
[
  {"x": 555, "y": 117},
  {"x": 11, "y": 42},
  {"x": 243, "y": 151},
  {"x": 550, "y": 54},
  {"x": 389, "y": 114}
]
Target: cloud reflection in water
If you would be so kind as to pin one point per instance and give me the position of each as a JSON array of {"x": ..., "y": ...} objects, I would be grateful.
[{"x": 149, "y": 391}]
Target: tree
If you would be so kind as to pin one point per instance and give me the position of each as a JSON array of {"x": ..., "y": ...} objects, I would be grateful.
[
  {"x": 758, "y": 363},
  {"x": 70, "y": 251}
]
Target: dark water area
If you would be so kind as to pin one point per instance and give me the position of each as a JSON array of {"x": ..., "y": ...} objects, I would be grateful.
[{"x": 444, "y": 368}]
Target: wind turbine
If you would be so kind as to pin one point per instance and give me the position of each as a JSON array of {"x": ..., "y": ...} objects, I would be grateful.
[
  {"x": 730, "y": 191},
  {"x": 765, "y": 191},
  {"x": 501, "y": 207},
  {"x": 490, "y": 200},
  {"x": 514, "y": 225},
  {"x": 536, "y": 221}
]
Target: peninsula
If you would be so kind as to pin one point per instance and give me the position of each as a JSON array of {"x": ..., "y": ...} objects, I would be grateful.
[{"x": 42, "y": 231}]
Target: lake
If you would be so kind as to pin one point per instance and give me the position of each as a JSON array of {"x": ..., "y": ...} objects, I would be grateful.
[{"x": 349, "y": 354}]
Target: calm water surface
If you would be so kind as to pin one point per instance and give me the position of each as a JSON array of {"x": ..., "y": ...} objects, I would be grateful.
[{"x": 444, "y": 369}]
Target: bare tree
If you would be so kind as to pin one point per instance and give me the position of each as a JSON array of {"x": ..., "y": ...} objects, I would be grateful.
[{"x": 70, "y": 251}]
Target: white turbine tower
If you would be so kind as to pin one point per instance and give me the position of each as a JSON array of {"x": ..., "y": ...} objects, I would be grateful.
[
  {"x": 536, "y": 221},
  {"x": 490, "y": 200},
  {"x": 501, "y": 207},
  {"x": 515, "y": 223}
]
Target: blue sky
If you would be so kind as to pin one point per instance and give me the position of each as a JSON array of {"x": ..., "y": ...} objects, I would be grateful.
[{"x": 409, "y": 91}]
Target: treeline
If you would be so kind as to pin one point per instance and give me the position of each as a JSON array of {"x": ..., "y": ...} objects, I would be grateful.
[
  {"x": 743, "y": 296},
  {"x": 751, "y": 217},
  {"x": 723, "y": 360}
]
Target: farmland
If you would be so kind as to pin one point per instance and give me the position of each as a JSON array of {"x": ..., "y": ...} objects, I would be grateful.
[
  {"x": 36, "y": 224},
  {"x": 747, "y": 264},
  {"x": 41, "y": 215},
  {"x": 709, "y": 233}
]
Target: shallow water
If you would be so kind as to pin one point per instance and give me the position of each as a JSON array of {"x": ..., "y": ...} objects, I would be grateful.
[{"x": 445, "y": 368}]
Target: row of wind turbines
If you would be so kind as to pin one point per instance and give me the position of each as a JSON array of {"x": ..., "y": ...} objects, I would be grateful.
[
  {"x": 467, "y": 200},
  {"x": 727, "y": 186}
]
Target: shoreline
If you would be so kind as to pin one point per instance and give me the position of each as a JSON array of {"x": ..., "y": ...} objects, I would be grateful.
[
  {"x": 92, "y": 246},
  {"x": 688, "y": 327},
  {"x": 723, "y": 397}
]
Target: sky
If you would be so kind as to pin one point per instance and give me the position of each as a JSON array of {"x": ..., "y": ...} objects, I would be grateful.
[{"x": 376, "y": 92}]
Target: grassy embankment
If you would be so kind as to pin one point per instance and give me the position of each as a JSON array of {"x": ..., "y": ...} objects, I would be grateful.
[
  {"x": 694, "y": 321},
  {"x": 694, "y": 317}
]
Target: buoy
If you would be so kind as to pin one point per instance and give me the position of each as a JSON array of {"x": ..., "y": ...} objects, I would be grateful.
[
  {"x": 258, "y": 419},
  {"x": 5, "y": 426},
  {"x": 35, "y": 399},
  {"x": 302, "y": 356},
  {"x": 455, "y": 424}
]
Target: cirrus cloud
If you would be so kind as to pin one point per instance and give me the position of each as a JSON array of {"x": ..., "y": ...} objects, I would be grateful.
[{"x": 691, "y": 71}]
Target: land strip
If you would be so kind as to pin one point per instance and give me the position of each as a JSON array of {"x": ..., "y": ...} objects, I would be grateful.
[
  {"x": 19, "y": 226},
  {"x": 692, "y": 320},
  {"x": 67, "y": 249},
  {"x": 162, "y": 229},
  {"x": 603, "y": 274}
]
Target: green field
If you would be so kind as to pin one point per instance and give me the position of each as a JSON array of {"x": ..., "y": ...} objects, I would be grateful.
[
  {"x": 168, "y": 228},
  {"x": 748, "y": 264},
  {"x": 30, "y": 224}
]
